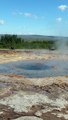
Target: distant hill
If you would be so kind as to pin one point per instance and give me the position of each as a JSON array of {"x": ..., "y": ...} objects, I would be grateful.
[
  {"x": 36, "y": 37},
  {"x": 40, "y": 37}
]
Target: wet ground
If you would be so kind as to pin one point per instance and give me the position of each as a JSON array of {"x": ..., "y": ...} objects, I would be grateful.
[{"x": 26, "y": 98}]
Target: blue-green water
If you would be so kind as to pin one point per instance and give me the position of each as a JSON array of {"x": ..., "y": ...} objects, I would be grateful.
[{"x": 36, "y": 68}]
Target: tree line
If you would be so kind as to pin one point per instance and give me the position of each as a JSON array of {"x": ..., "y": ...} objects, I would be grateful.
[{"x": 15, "y": 42}]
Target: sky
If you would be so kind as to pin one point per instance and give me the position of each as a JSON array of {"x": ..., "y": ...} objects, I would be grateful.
[{"x": 39, "y": 17}]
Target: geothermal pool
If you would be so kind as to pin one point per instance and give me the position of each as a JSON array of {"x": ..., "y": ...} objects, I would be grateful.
[{"x": 36, "y": 68}]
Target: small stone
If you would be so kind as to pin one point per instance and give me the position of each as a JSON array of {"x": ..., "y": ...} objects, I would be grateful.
[
  {"x": 38, "y": 113},
  {"x": 1, "y": 112}
]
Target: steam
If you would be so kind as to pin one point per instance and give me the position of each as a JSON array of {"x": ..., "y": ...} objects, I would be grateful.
[{"x": 62, "y": 45}]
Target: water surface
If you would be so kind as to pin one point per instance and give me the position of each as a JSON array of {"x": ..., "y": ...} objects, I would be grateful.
[{"x": 36, "y": 68}]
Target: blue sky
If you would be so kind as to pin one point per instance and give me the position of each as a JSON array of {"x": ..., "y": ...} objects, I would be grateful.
[{"x": 44, "y": 17}]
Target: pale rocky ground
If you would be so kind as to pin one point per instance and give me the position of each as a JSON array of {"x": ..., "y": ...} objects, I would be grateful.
[
  {"x": 24, "y": 98},
  {"x": 9, "y": 56}
]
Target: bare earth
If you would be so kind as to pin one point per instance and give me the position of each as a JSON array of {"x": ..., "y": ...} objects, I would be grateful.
[{"x": 24, "y": 98}]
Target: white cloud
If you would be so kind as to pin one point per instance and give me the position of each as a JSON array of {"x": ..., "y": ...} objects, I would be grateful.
[
  {"x": 62, "y": 7},
  {"x": 2, "y": 22},
  {"x": 59, "y": 19},
  {"x": 27, "y": 14},
  {"x": 31, "y": 15}
]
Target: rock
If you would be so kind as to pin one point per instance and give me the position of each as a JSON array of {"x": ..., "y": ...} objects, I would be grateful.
[
  {"x": 38, "y": 113},
  {"x": 28, "y": 118}
]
